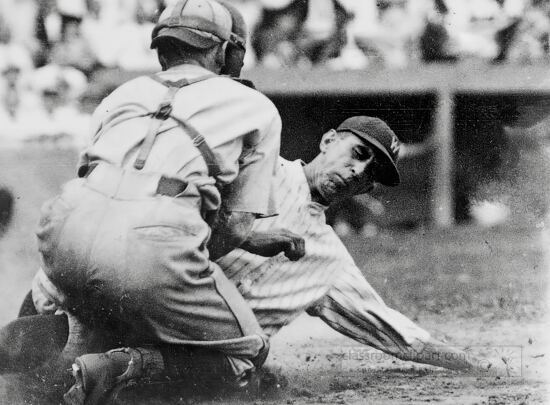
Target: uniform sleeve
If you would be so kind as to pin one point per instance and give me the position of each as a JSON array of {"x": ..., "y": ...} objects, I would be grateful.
[
  {"x": 254, "y": 188},
  {"x": 353, "y": 308}
]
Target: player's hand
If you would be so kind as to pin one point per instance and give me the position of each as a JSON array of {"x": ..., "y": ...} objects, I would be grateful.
[{"x": 275, "y": 241}]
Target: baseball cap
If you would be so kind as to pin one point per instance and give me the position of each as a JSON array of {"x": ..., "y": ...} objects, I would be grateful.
[
  {"x": 72, "y": 8},
  {"x": 275, "y": 4},
  {"x": 379, "y": 135},
  {"x": 199, "y": 23}
]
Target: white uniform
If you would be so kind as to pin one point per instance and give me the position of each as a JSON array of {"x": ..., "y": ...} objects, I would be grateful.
[
  {"x": 325, "y": 282},
  {"x": 127, "y": 248}
]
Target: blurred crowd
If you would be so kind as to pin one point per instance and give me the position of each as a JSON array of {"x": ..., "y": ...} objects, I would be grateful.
[
  {"x": 50, "y": 48},
  {"x": 356, "y": 34}
]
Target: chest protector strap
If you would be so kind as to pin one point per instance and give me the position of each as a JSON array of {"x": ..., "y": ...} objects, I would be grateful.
[{"x": 164, "y": 112}]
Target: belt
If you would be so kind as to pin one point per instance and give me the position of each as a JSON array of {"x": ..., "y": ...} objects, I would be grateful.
[{"x": 167, "y": 186}]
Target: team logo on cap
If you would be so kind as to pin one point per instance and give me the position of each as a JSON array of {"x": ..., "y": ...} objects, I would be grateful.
[{"x": 395, "y": 144}]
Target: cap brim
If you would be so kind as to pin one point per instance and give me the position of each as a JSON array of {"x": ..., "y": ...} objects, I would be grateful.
[
  {"x": 11, "y": 68},
  {"x": 389, "y": 175},
  {"x": 185, "y": 35}
]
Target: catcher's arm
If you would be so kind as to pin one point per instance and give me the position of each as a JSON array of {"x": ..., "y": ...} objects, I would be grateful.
[
  {"x": 229, "y": 231},
  {"x": 234, "y": 229}
]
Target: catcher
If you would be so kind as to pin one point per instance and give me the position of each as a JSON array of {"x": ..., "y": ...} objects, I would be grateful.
[{"x": 180, "y": 165}]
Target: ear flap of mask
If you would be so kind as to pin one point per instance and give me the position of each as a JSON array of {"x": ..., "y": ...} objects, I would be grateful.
[
  {"x": 236, "y": 47},
  {"x": 245, "y": 82}
]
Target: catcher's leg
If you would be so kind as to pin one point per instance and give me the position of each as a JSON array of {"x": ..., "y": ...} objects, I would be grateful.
[
  {"x": 100, "y": 377},
  {"x": 28, "y": 342},
  {"x": 41, "y": 349},
  {"x": 81, "y": 339},
  {"x": 27, "y": 306}
]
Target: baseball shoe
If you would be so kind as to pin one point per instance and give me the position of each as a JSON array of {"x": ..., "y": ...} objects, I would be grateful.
[{"x": 99, "y": 376}]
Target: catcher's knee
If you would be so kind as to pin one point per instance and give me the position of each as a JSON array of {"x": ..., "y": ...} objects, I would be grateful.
[
  {"x": 260, "y": 359},
  {"x": 243, "y": 370}
]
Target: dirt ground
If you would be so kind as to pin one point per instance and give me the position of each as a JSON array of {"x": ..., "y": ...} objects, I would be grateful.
[
  {"x": 316, "y": 365},
  {"x": 333, "y": 374}
]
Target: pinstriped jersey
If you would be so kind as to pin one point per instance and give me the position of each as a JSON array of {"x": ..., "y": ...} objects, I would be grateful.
[{"x": 325, "y": 282}]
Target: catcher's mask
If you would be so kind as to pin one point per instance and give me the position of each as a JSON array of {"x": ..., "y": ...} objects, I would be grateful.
[{"x": 203, "y": 24}]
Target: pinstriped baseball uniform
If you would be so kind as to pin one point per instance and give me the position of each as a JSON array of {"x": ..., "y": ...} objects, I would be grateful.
[{"x": 325, "y": 282}]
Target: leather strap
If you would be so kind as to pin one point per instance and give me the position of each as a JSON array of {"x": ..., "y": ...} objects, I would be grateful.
[
  {"x": 167, "y": 186},
  {"x": 162, "y": 113},
  {"x": 200, "y": 143},
  {"x": 247, "y": 322}
]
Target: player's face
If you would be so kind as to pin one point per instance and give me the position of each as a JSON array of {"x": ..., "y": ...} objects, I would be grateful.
[{"x": 346, "y": 168}]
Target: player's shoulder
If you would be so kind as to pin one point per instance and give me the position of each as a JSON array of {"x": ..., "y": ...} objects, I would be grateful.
[
  {"x": 294, "y": 167},
  {"x": 134, "y": 91},
  {"x": 282, "y": 161},
  {"x": 242, "y": 88},
  {"x": 139, "y": 85}
]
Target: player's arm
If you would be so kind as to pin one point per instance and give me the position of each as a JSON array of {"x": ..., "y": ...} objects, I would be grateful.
[
  {"x": 275, "y": 241},
  {"x": 234, "y": 229},
  {"x": 353, "y": 308},
  {"x": 252, "y": 193}
]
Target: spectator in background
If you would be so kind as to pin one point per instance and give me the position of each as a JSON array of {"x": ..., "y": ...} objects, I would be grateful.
[
  {"x": 114, "y": 29},
  {"x": 19, "y": 17},
  {"x": 324, "y": 33},
  {"x": 350, "y": 16},
  {"x": 73, "y": 49},
  {"x": 59, "y": 121},
  {"x": 16, "y": 96},
  {"x": 44, "y": 109},
  {"x": 6, "y": 209},
  {"x": 434, "y": 40},
  {"x": 45, "y": 9},
  {"x": 135, "y": 34},
  {"x": 99, "y": 27},
  {"x": 473, "y": 24},
  {"x": 300, "y": 32},
  {"x": 11, "y": 50},
  {"x": 394, "y": 27},
  {"x": 526, "y": 38},
  {"x": 275, "y": 38}
]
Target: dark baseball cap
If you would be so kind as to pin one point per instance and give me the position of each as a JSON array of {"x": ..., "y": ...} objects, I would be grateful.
[{"x": 380, "y": 136}]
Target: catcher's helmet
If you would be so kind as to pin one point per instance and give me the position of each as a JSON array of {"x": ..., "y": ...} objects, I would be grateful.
[{"x": 203, "y": 24}]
